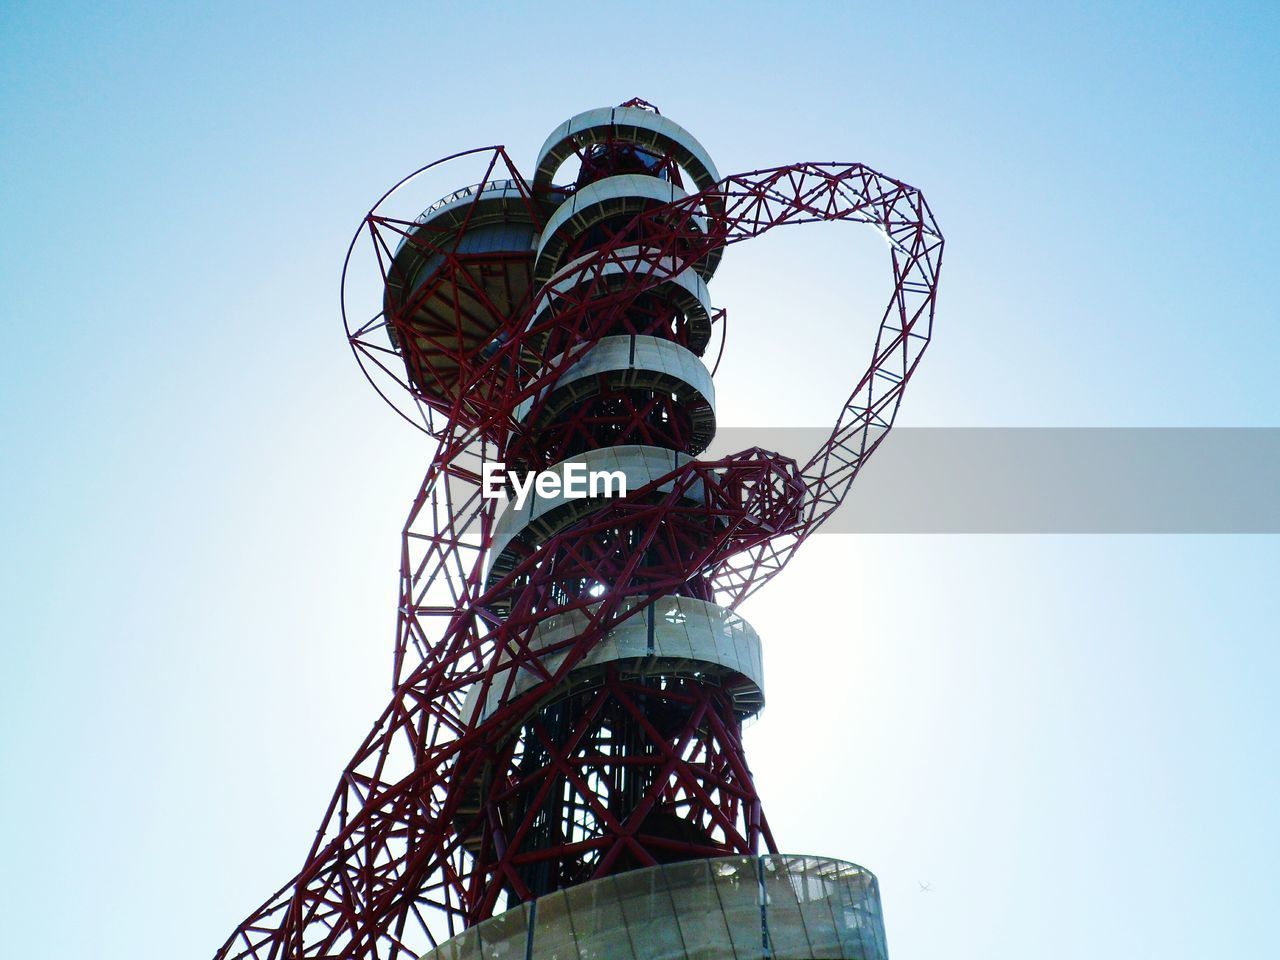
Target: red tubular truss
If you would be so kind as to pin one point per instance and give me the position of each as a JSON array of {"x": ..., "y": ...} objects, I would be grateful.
[{"x": 449, "y": 812}]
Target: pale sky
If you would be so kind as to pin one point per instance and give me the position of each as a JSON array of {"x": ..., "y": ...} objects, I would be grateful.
[{"x": 1071, "y": 738}]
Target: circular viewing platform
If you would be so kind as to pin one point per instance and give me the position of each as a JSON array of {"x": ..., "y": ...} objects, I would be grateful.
[
  {"x": 615, "y": 199},
  {"x": 644, "y": 128},
  {"x": 461, "y": 269},
  {"x": 673, "y": 636},
  {"x": 733, "y": 908}
]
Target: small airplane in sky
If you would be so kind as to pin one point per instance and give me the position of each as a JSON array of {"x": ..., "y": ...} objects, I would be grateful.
[{"x": 925, "y": 887}]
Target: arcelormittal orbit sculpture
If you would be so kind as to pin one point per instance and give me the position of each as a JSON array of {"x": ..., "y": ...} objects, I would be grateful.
[{"x": 560, "y": 770}]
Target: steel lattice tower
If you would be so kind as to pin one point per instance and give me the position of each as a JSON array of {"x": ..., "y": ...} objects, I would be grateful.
[{"x": 560, "y": 770}]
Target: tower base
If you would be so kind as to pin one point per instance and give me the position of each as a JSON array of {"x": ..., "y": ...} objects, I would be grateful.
[{"x": 736, "y": 908}]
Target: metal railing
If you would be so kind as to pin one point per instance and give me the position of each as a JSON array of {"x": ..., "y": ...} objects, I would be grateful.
[{"x": 465, "y": 192}]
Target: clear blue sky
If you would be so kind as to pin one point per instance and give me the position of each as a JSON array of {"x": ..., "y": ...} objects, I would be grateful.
[{"x": 1072, "y": 738}]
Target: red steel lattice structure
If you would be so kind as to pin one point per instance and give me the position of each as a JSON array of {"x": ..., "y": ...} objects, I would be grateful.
[{"x": 558, "y": 711}]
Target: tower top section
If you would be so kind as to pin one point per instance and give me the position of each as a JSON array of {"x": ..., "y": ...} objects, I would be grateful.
[
  {"x": 656, "y": 141},
  {"x": 466, "y": 272}
]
